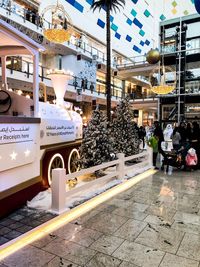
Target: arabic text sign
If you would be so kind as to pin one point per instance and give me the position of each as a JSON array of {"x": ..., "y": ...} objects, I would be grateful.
[
  {"x": 57, "y": 131},
  {"x": 16, "y": 133}
]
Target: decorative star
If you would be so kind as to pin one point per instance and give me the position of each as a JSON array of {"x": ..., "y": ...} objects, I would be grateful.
[
  {"x": 13, "y": 155},
  {"x": 27, "y": 153}
]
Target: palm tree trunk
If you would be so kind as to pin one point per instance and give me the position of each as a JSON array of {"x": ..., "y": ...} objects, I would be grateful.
[{"x": 108, "y": 65}]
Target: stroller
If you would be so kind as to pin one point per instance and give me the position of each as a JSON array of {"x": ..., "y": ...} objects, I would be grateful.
[{"x": 176, "y": 158}]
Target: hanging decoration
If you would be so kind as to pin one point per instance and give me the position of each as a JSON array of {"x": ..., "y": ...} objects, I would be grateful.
[
  {"x": 59, "y": 29},
  {"x": 163, "y": 80},
  {"x": 153, "y": 56},
  {"x": 197, "y": 5}
]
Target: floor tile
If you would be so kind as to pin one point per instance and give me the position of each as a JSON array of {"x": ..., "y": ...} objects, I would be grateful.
[
  {"x": 28, "y": 257},
  {"x": 83, "y": 219},
  {"x": 176, "y": 261},
  {"x": 40, "y": 243},
  {"x": 105, "y": 222},
  {"x": 13, "y": 234},
  {"x": 60, "y": 262},
  {"x": 161, "y": 211},
  {"x": 187, "y": 200},
  {"x": 120, "y": 202},
  {"x": 163, "y": 238},
  {"x": 126, "y": 195},
  {"x": 15, "y": 225},
  {"x": 17, "y": 217},
  {"x": 6, "y": 222},
  {"x": 159, "y": 220},
  {"x": 3, "y": 240},
  {"x": 190, "y": 247},
  {"x": 187, "y": 209},
  {"x": 130, "y": 212},
  {"x": 139, "y": 255},
  {"x": 186, "y": 227},
  {"x": 187, "y": 218},
  {"x": 24, "y": 229},
  {"x": 130, "y": 230},
  {"x": 86, "y": 237},
  {"x": 46, "y": 217},
  {"x": 143, "y": 197},
  {"x": 102, "y": 260},
  {"x": 106, "y": 208},
  {"x": 70, "y": 251},
  {"x": 31, "y": 222},
  {"x": 107, "y": 244},
  {"x": 127, "y": 264},
  {"x": 139, "y": 206},
  {"x": 4, "y": 230},
  {"x": 67, "y": 231}
]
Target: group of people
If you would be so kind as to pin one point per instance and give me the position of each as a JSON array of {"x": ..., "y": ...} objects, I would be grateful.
[
  {"x": 28, "y": 14},
  {"x": 185, "y": 149}
]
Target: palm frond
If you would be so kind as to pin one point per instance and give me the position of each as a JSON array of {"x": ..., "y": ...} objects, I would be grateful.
[{"x": 112, "y": 5}]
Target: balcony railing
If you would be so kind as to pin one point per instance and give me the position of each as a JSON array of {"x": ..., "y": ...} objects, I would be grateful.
[
  {"x": 80, "y": 85},
  {"x": 27, "y": 15}
]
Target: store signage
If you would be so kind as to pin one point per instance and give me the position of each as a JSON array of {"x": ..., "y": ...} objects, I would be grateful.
[
  {"x": 18, "y": 145},
  {"x": 56, "y": 131}
]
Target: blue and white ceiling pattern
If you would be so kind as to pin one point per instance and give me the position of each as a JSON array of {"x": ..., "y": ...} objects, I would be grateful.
[{"x": 135, "y": 28}]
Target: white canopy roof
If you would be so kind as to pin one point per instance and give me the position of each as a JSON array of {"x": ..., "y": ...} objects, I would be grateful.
[{"x": 14, "y": 42}]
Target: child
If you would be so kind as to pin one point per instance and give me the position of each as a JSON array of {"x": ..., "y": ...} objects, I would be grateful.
[
  {"x": 191, "y": 158},
  {"x": 153, "y": 142}
]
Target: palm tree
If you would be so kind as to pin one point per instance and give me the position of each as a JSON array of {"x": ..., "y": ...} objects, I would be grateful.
[{"x": 109, "y": 5}]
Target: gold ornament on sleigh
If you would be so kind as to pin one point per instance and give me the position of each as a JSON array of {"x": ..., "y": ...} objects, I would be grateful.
[{"x": 72, "y": 183}]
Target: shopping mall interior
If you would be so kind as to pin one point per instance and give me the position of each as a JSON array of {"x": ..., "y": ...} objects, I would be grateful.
[{"x": 100, "y": 133}]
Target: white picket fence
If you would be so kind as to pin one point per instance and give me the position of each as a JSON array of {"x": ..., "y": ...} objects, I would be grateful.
[{"x": 119, "y": 170}]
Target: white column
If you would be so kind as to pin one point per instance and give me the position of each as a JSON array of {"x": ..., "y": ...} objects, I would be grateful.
[
  {"x": 58, "y": 188},
  {"x": 36, "y": 83},
  {"x": 120, "y": 167},
  {"x": 140, "y": 118},
  {"x": 3, "y": 71}
]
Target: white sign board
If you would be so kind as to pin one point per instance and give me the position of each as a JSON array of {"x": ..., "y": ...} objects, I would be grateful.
[
  {"x": 16, "y": 133},
  {"x": 18, "y": 145},
  {"x": 57, "y": 131}
]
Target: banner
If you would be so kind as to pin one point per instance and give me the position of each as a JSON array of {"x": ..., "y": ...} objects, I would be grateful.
[{"x": 56, "y": 131}]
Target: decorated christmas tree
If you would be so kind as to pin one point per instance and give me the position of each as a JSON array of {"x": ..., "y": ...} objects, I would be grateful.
[
  {"x": 125, "y": 131},
  {"x": 96, "y": 146}
]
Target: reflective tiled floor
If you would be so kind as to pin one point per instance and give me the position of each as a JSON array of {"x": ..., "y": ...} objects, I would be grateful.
[
  {"x": 20, "y": 222},
  {"x": 155, "y": 223}
]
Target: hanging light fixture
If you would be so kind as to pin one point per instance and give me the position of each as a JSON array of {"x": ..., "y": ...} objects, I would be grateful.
[
  {"x": 162, "y": 78},
  {"x": 158, "y": 80},
  {"x": 59, "y": 29}
]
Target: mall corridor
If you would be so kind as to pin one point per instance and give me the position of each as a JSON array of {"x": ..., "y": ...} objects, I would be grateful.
[{"x": 155, "y": 223}]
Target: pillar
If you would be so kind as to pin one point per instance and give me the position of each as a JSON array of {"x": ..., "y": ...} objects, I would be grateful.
[
  {"x": 140, "y": 118},
  {"x": 3, "y": 71}
]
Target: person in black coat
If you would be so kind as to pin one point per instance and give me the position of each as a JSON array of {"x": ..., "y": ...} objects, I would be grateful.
[
  {"x": 142, "y": 134},
  {"x": 159, "y": 133},
  {"x": 182, "y": 131}
]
